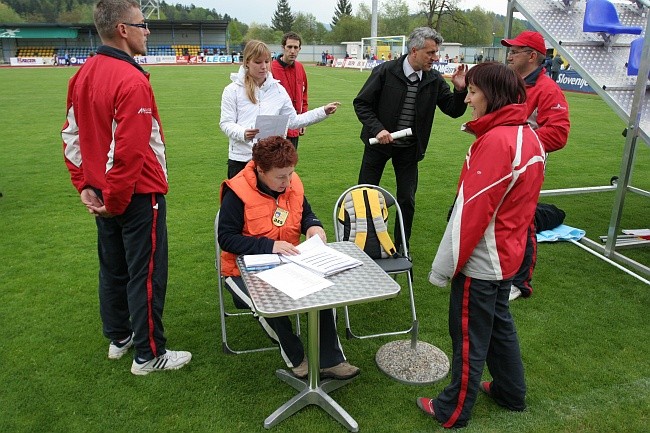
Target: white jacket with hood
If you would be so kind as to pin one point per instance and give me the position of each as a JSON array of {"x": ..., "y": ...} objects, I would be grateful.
[{"x": 238, "y": 113}]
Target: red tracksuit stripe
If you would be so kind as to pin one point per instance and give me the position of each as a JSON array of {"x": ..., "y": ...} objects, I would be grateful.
[
  {"x": 152, "y": 341},
  {"x": 532, "y": 239},
  {"x": 464, "y": 378}
]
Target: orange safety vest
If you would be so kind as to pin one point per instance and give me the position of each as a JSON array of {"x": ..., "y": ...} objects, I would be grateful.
[{"x": 258, "y": 212}]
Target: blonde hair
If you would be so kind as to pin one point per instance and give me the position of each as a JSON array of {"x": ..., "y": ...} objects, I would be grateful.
[{"x": 253, "y": 51}]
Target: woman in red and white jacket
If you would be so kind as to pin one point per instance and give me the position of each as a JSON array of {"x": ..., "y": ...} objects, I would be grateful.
[{"x": 484, "y": 243}]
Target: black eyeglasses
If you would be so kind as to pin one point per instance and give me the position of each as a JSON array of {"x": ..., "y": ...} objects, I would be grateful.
[
  {"x": 515, "y": 52},
  {"x": 138, "y": 25}
]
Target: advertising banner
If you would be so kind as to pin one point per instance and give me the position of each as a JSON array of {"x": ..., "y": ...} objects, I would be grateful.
[
  {"x": 31, "y": 61},
  {"x": 572, "y": 81}
]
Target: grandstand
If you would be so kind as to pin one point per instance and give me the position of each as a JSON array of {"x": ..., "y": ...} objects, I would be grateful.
[
  {"x": 156, "y": 50},
  {"x": 29, "y": 51},
  {"x": 167, "y": 38}
]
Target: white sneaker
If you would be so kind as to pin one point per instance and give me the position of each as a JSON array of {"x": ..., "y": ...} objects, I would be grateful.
[
  {"x": 514, "y": 293},
  {"x": 170, "y": 360},
  {"x": 116, "y": 350}
]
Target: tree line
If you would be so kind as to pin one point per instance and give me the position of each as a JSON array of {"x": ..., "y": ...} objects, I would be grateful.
[{"x": 475, "y": 27}]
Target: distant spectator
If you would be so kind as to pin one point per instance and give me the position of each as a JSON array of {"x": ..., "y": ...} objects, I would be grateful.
[
  {"x": 556, "y": 66},
  {"x": 548, "y": 62}
]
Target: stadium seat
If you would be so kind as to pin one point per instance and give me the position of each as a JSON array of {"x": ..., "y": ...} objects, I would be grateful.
[
  {"x": 634, "y": 60},
  {"x": 601, "y": 17}
]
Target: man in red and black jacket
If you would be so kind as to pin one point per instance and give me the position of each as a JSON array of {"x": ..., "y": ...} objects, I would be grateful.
[
  {"x": 293, "y": 78},
  {"x": 548, "y": 114},
  {"x": 115, "y": 152}
]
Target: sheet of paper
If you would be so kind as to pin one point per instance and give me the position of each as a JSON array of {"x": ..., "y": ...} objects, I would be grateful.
[
  {"x": 320, "y": 258},
  {"x": 293, "y": 280},
  {"x": 261, "y": 260},
  {"x": 271, "y": 125}
]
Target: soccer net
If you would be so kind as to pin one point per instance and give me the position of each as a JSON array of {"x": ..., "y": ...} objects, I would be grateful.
[{"x": 383, "y": 47}]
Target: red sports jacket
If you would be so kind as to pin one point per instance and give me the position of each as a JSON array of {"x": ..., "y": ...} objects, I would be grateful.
[
  {"x": 112, "y": 137},
  {"x": 294, "y": 79}
]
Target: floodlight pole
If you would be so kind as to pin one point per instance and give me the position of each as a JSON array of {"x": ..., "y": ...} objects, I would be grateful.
[
  {"x": 373, "y": 27},
  {"x": 150, "y": 7}
]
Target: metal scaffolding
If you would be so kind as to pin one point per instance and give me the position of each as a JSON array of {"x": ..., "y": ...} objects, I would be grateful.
[{"x": 601, "y": 62}]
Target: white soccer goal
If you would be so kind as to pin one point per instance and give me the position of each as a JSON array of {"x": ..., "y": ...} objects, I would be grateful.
[{"x": 384, "y": 47}]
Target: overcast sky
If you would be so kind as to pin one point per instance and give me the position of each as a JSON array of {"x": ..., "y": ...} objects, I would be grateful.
[{"x": 261, "y": 11}]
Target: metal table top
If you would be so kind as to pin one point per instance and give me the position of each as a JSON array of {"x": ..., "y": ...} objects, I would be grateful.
[{"x": 364, "y": 283}]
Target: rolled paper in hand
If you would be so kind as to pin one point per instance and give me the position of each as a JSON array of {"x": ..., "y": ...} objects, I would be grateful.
[{"x": 397, "y": 134}]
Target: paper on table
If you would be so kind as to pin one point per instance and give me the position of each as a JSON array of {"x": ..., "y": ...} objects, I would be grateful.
[
  {"x": 318, "y": 257},
  {"x": 397, "y": 134},
  {"x": 294, "y": 280},
  {"x": 271, "y": 125}
]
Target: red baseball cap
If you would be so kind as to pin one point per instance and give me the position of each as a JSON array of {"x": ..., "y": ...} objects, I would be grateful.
[{"x": 527, "y": 38}]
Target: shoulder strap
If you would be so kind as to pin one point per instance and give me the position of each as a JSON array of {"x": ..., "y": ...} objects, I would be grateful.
[
  {"x": 379, "y": 214},
  {"x": 357, "y": 206},
  {"x": 361, "y": 224}
]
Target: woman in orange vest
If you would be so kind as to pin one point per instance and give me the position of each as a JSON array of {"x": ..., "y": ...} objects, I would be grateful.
[{"x": 269, "y": 190}]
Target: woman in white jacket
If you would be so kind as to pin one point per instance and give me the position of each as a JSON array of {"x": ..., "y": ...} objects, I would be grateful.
[{"x": 254, "y": 91}]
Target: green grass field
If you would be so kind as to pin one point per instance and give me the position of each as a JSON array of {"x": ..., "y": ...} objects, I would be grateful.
[{"x": 584, "y": 334}]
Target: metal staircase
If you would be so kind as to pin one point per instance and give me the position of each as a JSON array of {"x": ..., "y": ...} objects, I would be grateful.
[{"x": 602, "y": 64}]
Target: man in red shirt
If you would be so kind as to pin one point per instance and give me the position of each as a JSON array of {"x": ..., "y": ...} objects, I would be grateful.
[
  {"x": 548, "y": 113},
  {"x": 291, "y": 74}
]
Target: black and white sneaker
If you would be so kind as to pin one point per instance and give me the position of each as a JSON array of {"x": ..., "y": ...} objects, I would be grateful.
[
  {"x": 515, "y": 292},
  {"x": 170, "y": 360},
  {"x": 118, "y": 349}
]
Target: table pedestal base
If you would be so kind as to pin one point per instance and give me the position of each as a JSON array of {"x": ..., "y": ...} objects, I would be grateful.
[
  {"x": 413, "y": 363},
  {"x": 311, "y": 395}
]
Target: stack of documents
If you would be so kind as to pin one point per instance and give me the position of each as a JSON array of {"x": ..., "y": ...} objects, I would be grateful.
[
  {"x": 258, "y": 262},
  {"x": 304, "y": 273}
]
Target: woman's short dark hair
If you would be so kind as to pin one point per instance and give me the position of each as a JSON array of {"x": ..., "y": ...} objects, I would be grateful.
[
  {"x": 500, "y": 84},
  {"x": 274, "y": 152}
]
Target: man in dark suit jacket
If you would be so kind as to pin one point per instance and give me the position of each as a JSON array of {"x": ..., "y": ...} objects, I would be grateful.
[{"x": 399, "y": 94}]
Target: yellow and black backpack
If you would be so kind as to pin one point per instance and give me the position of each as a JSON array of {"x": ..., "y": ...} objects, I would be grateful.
[{"x": 362, "y": 219}]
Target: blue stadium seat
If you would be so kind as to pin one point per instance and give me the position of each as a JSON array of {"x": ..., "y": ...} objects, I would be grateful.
[
  {"x": 601, "y": 17},
  {"x": 634, "y": 60}
]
